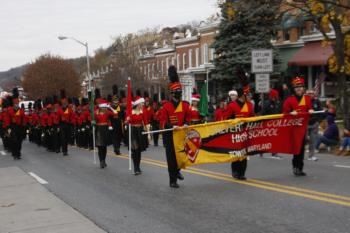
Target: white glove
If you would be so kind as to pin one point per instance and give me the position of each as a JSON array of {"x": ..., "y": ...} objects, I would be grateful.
[
  {"x": 110, "y": 128},
  {"x": 83, "y": 129}
]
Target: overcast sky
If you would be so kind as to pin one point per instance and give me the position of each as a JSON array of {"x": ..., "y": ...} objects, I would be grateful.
[{"x": 29, "y": 28}]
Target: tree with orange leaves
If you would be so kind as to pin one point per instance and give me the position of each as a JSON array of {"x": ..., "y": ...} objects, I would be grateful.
[
  {"x": 49, "y": 74},
  {"x": 334, "y": 15}
]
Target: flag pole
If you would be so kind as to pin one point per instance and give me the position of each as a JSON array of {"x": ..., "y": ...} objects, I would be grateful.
[
  {"x": 129, "y": 147},
  {"x": 94, "y": 143},
  {"x": 129, "y": 112}
]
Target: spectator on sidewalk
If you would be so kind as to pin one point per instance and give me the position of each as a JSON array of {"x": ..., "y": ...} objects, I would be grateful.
[
  {"x": 330, "y": 136},
  {"x": 312, "y": 129},
  {"x": 345, "y": 146}
]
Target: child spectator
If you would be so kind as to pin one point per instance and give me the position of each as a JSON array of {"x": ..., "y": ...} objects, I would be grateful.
[
  {"x": 330, "y": 136},
  {"x": 345, "y": 146}
]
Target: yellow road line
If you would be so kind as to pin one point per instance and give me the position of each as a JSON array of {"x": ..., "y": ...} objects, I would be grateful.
[
  {"x": 310, "y": 194},
  {"x": 265, "y": 182}
]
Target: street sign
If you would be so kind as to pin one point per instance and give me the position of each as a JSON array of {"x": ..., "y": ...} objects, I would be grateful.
[
  {"x": 262, "y": 83},
  {"x": 262, "y": 61}
]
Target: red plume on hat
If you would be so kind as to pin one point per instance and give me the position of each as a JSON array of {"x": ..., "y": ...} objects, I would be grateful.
[
  {"x": 174, "y": 84},
  {"x": 298, "y": 81}
]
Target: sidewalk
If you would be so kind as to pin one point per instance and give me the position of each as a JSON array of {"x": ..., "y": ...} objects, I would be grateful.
[{"x": 28, "y": 207}]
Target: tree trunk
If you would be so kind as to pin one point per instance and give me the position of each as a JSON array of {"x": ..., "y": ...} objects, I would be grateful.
[{"x": 344, "y": 100}]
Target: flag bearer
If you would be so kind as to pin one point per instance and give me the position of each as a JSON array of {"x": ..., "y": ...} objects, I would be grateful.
[{"x": 175, "y": 113}]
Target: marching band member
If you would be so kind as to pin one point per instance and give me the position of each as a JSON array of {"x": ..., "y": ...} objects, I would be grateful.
[
  {"x": 219, "y": 114},
  {"x": 17, "y": 116},
  {"x": 117, "y": 121},
  {"x": 175, "y": 113},
  {"x": 195, "y": 117},
  {"x": 102, "y": 118},
  {"x": 239, "y": 109},
  {"x": 294, "y": 104},
  {"x": 136, "y": 121},
  {"x": 66, "y": 116}
]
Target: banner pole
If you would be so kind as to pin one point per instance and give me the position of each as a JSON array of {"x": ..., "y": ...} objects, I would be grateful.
[{"x": 94, "y": 142}]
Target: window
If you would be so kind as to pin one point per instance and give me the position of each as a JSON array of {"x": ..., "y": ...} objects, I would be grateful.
[
  {"x": 205, "y": 53},
  {"x": 149, "y": 71},
  {"x": 197, "y": 57},
  {"x": 190, "y": 58},
  {"x": 167, "y": 63},
  {"x": 212, "y": 54},
  {"x": 173, "y": 61},
  {"x": 145, "y": 70},
  {"x": 162, "y": 69},
  {"x": 178, "y": 62},
  {"x": 286, "y": 35},
  {"x": 152, "y": 71},
  {"x": 184, "y": 61}
]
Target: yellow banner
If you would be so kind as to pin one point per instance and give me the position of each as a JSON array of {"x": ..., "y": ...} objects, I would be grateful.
[{"x": 232, "y": 140}]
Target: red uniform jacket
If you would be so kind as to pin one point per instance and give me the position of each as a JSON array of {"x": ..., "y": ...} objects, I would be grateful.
[
  {"x": 293, "y": 104},
  {"x": 148, "y": 113},
  {"x": 195, "y": 116},
  {"x": 6, "y": 119},
  {"x": 235, "y": 110},
  {"x": 17, "y": 116},
  {"x": 175, "y": 115},
  {"x": 219, "y": 114},
  {"x": 137, "y": 118},
  {"x": 103, "y": 118},
  {"x": 66, "y": 116}
]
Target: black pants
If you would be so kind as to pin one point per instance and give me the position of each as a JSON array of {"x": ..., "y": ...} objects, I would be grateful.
[
  {"x": 136, "y": 158},
  {"x": 64, "y": 136},
  {"x": 56, "y": 139},
  {"x": 155, "y": 126},
  {"x": 16, "y": 138},
  {"x": 298, "y": 160},
  {"x": 239, "y": 167},
  {"x": 116, "y": 140},
  {"x": 102, "y": 152},
  {"x": 170, "y": 156}
]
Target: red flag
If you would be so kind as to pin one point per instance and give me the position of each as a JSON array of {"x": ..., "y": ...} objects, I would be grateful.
[{"x": 128, "y": 101}]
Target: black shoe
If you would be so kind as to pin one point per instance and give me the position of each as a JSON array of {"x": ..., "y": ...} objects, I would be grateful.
[
  {"x": 180, "y": 176},
  {"x": 136, "y": 173},
  {"x": 241, "y": 178},
  {"x": 235, "y": 175},
  {"x": 103, "y": 164},
  {"x": 117, "y": 152},
  {"x": 299, "y": 172},
  {"x": 65, "y": 153},
  {"x": 174, "y": 185}
]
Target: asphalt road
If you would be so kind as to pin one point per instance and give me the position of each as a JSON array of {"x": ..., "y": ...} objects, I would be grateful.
[{"x": 209, "y": 200}]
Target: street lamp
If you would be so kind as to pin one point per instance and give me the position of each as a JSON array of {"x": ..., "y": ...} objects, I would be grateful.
[{"x": 87, "y": 56}]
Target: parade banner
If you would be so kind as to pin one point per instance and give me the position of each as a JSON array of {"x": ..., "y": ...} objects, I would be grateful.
[{"x": 233, "y": 140}]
